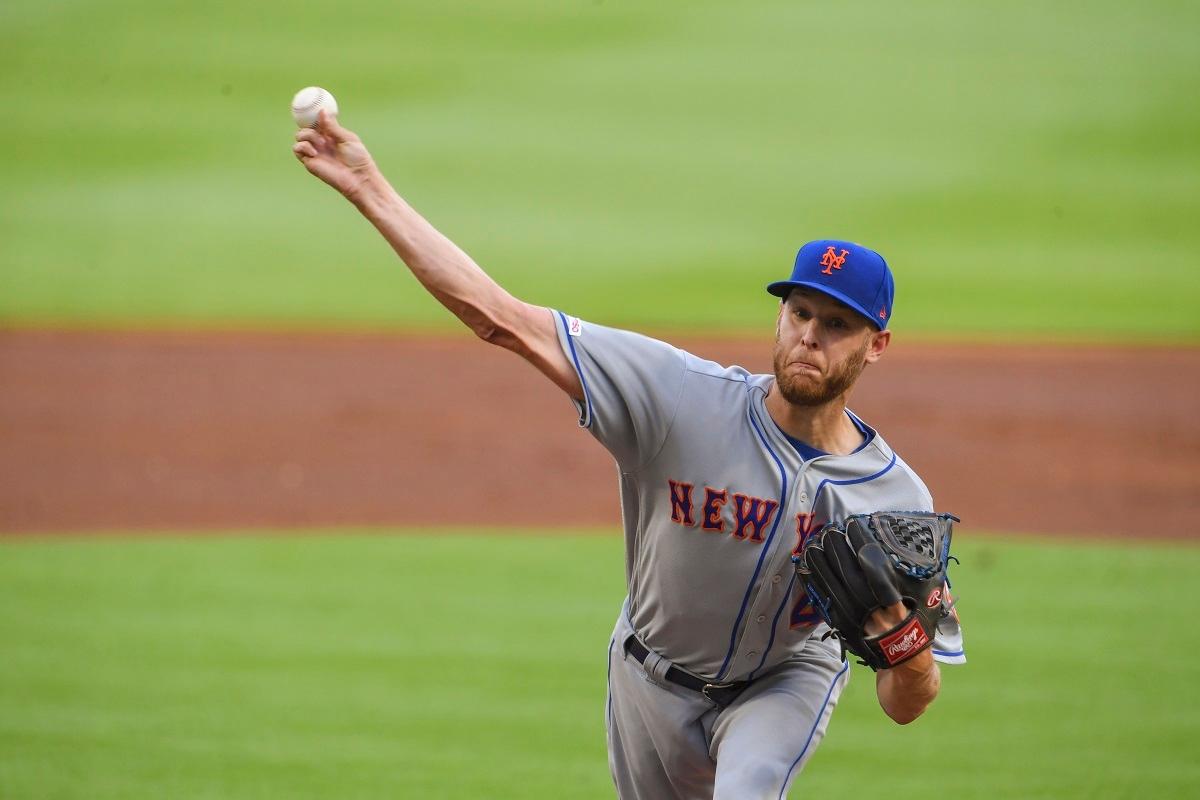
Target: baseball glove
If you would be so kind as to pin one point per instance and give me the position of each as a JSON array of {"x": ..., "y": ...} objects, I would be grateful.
[{"x": 870, "y": 561}]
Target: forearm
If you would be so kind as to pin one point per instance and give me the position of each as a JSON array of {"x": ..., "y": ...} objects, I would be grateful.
[
  {"x": 446, "y": 272},
  {"x": 906, "y": 690},
  {"x": 338, "y": 157}
]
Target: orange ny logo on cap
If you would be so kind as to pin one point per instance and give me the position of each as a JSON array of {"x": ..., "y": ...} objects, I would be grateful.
[{"x": 831, "y": 262}]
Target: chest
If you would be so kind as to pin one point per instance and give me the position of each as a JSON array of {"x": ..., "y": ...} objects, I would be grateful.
[{"x": 737, "y": 496}]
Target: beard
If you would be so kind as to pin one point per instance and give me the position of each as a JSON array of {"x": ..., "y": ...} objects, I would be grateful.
[{"x": 806, "y": 389}]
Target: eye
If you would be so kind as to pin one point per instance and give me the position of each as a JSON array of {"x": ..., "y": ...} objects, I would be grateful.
[{"x": 837, "y": 323}]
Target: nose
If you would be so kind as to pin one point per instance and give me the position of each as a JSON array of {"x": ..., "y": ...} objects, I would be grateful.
[{"x": 808, "y": 334}]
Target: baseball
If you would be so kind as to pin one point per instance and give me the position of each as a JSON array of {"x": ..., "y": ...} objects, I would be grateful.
[{"x": 308, "y": 102}]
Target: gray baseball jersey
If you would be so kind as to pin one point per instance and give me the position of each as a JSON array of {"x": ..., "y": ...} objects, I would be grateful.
[{"x": 715, "y": 501}]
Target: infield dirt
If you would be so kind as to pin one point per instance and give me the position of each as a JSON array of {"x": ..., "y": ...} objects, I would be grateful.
[{"x": 211, "y": 431}]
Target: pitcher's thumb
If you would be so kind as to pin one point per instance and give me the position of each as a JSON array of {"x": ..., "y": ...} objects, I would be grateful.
[{"x": 327, "y": 124}]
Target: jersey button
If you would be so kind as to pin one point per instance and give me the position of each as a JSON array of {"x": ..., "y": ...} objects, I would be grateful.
[
  {"x": 762, "y": 617},
  {"x": 776, "y": 579},
  {"x": 803, "y": 497},
  {"x": 752, "y": 654}
]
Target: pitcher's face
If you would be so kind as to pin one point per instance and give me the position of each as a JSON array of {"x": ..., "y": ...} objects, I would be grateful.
[{"x": 821, "y": 347}]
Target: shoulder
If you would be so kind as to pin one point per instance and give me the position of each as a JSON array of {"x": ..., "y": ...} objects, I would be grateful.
[
  {"x": 916, "y": 485},
  {"x": 710, "y": 371},
  {"x": 889, "y": 473},
  {"x": 617, "y": 342},
  {"x": 901, "y": 477}
]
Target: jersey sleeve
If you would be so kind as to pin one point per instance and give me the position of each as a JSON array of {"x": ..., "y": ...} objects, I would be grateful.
[{"x": 631, "y": 385}]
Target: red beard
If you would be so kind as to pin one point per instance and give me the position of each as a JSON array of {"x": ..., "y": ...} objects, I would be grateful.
[{"x": 808, "y": 389}]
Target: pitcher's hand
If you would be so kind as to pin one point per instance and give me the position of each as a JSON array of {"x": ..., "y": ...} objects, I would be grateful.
[{"x": 335, "y": 155}]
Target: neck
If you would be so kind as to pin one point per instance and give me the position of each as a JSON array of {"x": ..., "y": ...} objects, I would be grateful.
[{"x": 825, "y": 427}]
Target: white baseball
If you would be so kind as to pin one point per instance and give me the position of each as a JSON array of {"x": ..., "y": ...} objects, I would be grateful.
[{"x": 308, "y": 102}]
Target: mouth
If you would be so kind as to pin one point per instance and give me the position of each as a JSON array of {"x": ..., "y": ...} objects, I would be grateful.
[{"x": 804, "y": 366}]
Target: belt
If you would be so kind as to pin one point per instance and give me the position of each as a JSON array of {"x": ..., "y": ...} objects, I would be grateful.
[{"x": 720, "y": 693}]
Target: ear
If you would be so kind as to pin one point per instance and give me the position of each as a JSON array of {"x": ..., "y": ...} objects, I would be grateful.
[{"x": 878, "y": 344}]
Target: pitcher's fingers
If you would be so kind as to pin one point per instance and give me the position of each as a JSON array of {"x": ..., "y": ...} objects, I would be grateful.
[
  {"x": 327, "y": 124},
  {"x": 315, "y": 138},
  {"x": 304, "y": 150}
]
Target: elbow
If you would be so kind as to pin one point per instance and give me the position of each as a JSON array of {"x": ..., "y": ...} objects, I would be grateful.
[
  {"x": 484, "y": 318},
  {"x": 489, "y": 331},
  {"x": 909, "y": 709},
  {"x": 903, "y": 716},
  {"x": 505, "y": 326},
  {"x": 486, "y": 330},
  {"x": 485, "y": 325},
  {"x": 904, "y": 701}
]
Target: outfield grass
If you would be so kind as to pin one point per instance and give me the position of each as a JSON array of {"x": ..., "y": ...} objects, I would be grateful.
[
  {"x": 1024, "y": 166},
  {"x": 457, "y": 666}
]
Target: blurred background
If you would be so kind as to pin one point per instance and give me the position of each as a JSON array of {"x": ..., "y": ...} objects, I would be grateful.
[
  {"x": 1031, "y": 167},
  {"x": 197, "y": 337}
]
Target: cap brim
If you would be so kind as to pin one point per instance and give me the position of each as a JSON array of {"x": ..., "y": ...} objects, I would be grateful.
[{"x": 781, "y": 288}]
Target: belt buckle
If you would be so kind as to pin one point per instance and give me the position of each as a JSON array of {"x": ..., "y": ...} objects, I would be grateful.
[{"x": 716, "y": 687}]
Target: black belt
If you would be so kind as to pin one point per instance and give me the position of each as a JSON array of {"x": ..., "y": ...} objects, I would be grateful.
[{"x": 720, "y": 693}]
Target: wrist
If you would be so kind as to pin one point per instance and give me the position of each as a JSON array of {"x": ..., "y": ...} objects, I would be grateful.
[
  {"x": 917, "y": 667},
  {"x": 370, "y": 192}
]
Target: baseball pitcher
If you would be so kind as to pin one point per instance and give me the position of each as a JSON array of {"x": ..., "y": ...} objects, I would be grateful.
[{"x": 771, "y": 535}]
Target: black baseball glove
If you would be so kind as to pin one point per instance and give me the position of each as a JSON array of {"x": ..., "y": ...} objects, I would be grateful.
[{"x": 871, "y": 561}]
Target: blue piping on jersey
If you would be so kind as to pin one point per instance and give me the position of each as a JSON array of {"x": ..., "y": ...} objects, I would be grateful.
[
  {"x": 587, "y": 396},
  {"x": 816, "y": 723},
  {"x": 817, "y": 494},
  {"x": 774, "y": 627},
  {"x": 850, "y": 481},
  {"x": 948, "y": 653},
  {"x": 766, "y": 546},
  {"x": 608, "y": 681}
]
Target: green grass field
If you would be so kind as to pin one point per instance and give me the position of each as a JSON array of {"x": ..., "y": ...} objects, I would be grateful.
[
  {"x": 1027, "y": 168},
  {"x": 463, "y": 666}
]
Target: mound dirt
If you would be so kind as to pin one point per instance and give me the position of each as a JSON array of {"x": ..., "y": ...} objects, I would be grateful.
[{"x": 213, "y": 431}]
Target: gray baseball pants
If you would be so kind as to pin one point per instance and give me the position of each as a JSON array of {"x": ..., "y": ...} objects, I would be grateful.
[{"x": 666, "y": 741}]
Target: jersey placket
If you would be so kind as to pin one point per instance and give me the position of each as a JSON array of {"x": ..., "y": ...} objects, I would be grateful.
[
  {"x": 769, "y": 598},
  {"x": 771, "y": 608}
]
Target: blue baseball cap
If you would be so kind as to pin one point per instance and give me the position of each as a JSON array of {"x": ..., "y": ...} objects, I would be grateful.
[{"x": 849, "y": 272}]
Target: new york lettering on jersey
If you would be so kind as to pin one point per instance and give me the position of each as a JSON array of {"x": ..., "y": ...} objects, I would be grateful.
[{"x": 710, "y": 488}]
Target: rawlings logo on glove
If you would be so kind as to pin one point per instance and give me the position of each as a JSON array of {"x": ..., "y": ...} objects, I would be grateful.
[
  {"x": 904, "y": 643},
  {"x": 873, "y": 561}
]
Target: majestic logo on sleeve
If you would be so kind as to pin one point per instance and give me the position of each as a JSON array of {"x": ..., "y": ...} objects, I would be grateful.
[
  {"x": 750, "y": 518},
  {"x": 831, "y": 261}
]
